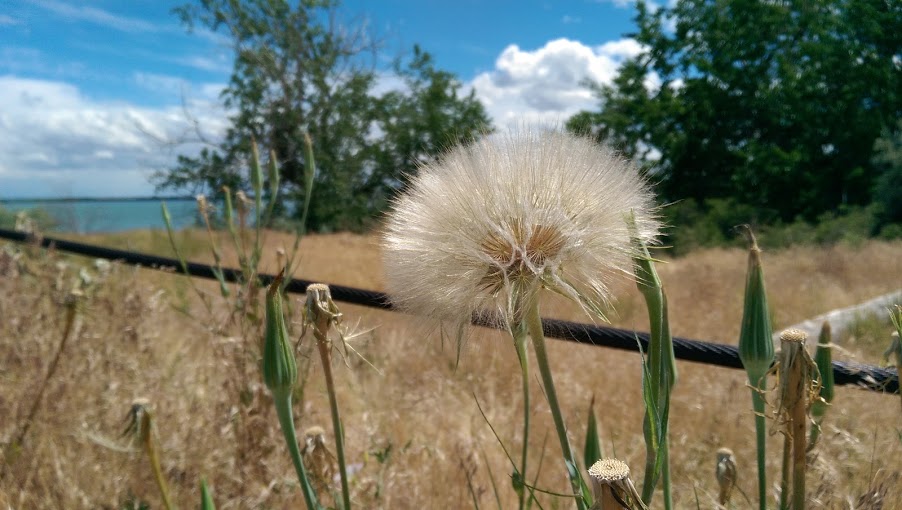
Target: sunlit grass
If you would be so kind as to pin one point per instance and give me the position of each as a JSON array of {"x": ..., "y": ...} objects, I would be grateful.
[{"x": 417, "y": 423}]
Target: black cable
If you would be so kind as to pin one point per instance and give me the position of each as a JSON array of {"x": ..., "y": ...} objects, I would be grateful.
[{"x": 844, "y": 373}]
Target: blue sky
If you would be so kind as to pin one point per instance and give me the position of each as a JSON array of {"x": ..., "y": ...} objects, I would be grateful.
[{"x": 93, "y": 92}]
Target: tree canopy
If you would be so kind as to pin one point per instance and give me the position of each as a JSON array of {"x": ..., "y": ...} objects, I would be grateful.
[
  {"x": 299, "y": 69},
  {"x": 774, "y": 103}
]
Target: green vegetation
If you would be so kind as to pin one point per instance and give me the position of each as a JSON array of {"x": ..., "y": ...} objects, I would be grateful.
[
  {"x": 299, "y": 70},
  {"x": 40, "y": 218},
  {"x": 766, "y": 112}
]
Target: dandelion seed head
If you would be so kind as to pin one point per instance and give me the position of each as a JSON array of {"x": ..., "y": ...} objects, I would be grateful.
[{"x": 495, "y": 221}]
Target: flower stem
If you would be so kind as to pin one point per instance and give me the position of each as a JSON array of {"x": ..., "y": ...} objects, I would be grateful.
[
  {"x": 282, "y": 400},
  {"x": 761, "y": 441},
  {"x": 520, "y": 340},
  {"x": 534, "y": 323},
  {"x": 325, "y": 354},
  {"x": 799, "y": 422}
]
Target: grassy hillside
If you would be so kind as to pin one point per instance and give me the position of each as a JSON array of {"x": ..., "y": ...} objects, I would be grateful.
[{"x": 413, "y": 430}]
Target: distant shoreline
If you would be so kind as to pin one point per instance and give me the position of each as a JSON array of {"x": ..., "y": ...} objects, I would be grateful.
[{"x": 58, "y": 200}]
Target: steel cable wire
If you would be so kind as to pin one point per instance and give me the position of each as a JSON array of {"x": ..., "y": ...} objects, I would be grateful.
[{"x": 845, "y": 373}]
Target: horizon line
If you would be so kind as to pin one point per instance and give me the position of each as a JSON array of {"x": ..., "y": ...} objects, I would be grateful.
[{"x": 97, "y": 199}]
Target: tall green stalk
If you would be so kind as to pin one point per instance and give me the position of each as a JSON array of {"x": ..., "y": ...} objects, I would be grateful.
[
  {"x": 534, "y": 324},
  {"x": 659, "y": 377},
  {"x": 520, "y": 335},
  {"x": 756, "y": 351}
]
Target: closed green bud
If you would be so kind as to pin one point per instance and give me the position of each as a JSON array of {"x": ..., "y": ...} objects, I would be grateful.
[
  {"x": 256, "y": 171},
  {"x": 756, "y": 346},
  {"x": 280, "y": 370},
  {"x": 823, "y": 357}
]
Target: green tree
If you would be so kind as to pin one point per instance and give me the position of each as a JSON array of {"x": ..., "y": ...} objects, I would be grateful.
[
  {"x": 298, "y": 69},
  {"x": 888, "y": 185},
  {"x": 773, "y": 103},
  {"x": 426, "y": 118}
]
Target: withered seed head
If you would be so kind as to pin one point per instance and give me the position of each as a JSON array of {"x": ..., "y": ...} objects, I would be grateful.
[
  {"x": 793, "y": 335},
  {"x": 609, "y": 470}
]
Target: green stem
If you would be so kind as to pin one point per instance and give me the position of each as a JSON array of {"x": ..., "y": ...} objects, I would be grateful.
[
  {"x": 761, "y": 439},
  {"x": 282, "y": 399},
  {"x": 784, "y": 475},
  {"x": 668, "y": 493},
  {"x": 325, "y": 355},
  {"x": 520, "y": 340},
  {"x": 534, "y": 323}
]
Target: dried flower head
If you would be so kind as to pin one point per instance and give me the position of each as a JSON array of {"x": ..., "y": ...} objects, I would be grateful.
[
  {"x": 489, "y": 224},
  {"x": 612, "y": 486},
  {"x": 725, "y": 472}
]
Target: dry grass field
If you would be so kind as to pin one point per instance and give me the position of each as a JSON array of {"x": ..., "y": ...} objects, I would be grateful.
[{"x": 413, "y": 431}]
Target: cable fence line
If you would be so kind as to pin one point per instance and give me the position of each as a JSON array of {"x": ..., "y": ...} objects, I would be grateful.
[{"x": 868, "y": 377}]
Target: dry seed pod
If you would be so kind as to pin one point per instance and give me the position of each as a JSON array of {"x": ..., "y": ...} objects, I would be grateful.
[
  {"x": 613, "y": 488},
  {"x": 318, "y": 459},
  {"x": 799, "y": 387},
  {"x": 726, "y": 474}
]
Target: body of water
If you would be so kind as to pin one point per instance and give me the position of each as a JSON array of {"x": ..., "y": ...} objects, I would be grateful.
[{"x": 85, "y": 216}]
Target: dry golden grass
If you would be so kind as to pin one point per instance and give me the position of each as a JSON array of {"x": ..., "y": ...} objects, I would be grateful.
[{"x": 414, "y": 433}]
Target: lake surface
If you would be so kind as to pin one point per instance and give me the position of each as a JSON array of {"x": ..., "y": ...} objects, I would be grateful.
[{"x": 111, "y": 215}]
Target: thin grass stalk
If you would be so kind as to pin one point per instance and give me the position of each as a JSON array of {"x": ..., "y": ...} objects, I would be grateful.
[
  {"x": 321, "y": 312},
  {"x": 534, "y": 324},
  {"x": 167, "y": 220},
  {"x": 204, "y": 209},
  {"x": 257, "y": 184},
  {"x": 274, "y": 180},
  {"x": 756, "y": 351},
  {"x": 309, "y": 174},
  {"x": 233, "y": 232},
  {"x": 70, "y": 330},
  {"x": 659, "y": 376},
  {"x": 153, "y": 456}
]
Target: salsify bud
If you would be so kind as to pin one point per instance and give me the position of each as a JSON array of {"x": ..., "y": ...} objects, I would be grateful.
[
  {"x": 892, "y": 356},
  {"x": 613, "y": 488},
  {"x": 756, "y": 346},
  {"x": 823, "y": 357},
  {"x": 280, "y": 370}
]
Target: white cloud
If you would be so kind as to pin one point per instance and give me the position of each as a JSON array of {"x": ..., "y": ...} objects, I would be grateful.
[
  {"x": 546, "y": 85},
  {"x": 96, "y": 16},
  {"x": 622, "y": 4},
  {"x": 7, "y": 21},
  {"x": 567, "y": 19},
  {"x": 53, "y": 139}
]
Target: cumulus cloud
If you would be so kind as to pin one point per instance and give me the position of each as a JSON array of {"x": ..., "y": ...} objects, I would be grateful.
[
  {"x": 547, "y": 85},
  {"x": 55, "y": 140}
]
